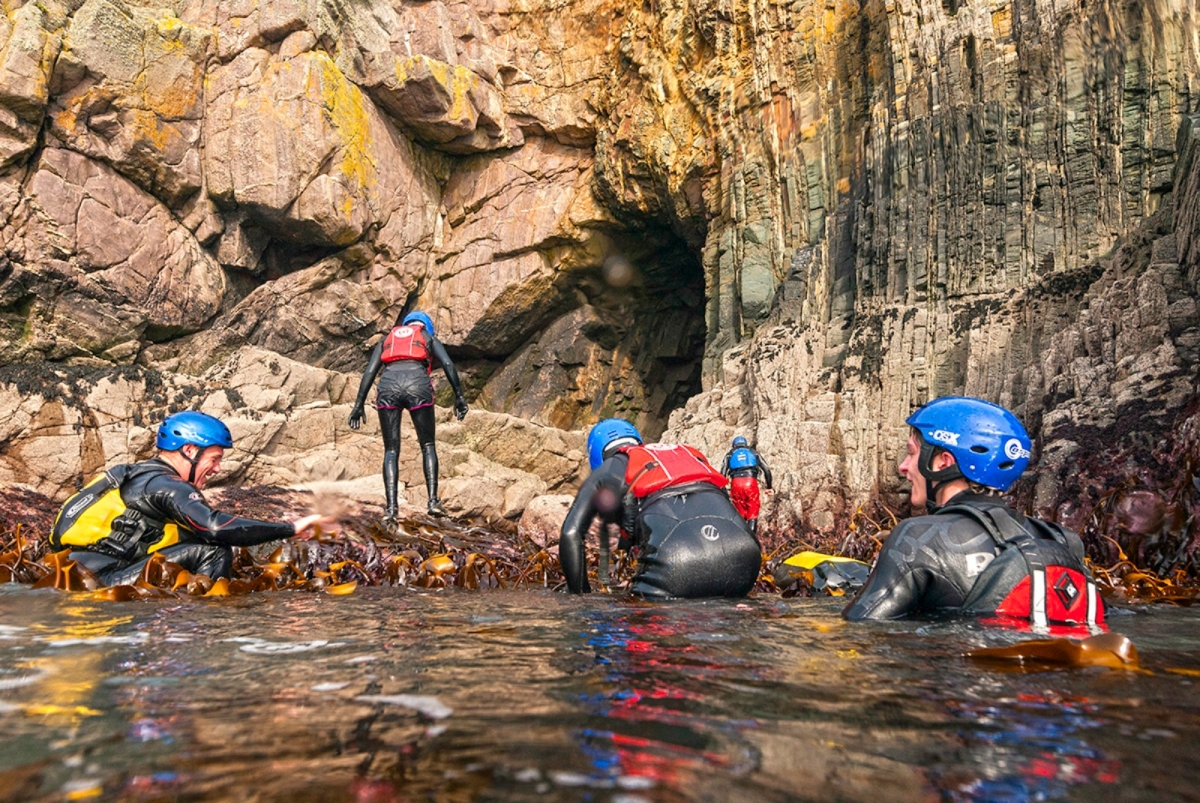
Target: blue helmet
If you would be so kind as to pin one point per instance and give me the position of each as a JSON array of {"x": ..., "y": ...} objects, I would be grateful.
[
  {"x": 199, "y": 429},
  {"x": 739, "y": 442},
  {"x": 609, "y": 432},
  {"x": 421, "y": 318},
  {"x": 989, "y": 444}
]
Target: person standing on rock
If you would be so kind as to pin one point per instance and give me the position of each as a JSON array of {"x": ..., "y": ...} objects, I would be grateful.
[
  {"x": 973, "y": 553},
  {"x": 743, "y": 465},
  {"x": 406, "y": 357},
  {"x": 132, "y": 512},
  {"x": 673, "y": 513}
]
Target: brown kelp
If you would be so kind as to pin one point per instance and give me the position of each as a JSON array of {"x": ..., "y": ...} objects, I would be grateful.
[
  {"x": 423, "y": 552},
  {"x": 1108, "y": 650}
]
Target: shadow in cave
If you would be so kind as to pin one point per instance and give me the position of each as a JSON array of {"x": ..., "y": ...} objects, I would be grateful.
[{"x": 627, "y": 339}]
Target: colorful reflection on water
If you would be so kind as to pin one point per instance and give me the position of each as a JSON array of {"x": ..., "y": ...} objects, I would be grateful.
[{"x": 396, "y": 695}]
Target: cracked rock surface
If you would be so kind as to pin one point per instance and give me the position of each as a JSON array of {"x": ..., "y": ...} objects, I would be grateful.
[{"x": 793, "y": 222}]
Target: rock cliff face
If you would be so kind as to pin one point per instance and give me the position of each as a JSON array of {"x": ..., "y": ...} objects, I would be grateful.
[{"x": 791, "y": 221}]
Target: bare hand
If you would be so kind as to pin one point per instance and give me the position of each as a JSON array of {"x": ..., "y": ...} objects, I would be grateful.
[
  {"x": 357, "y": 416},
  {"x": 308, "y": 526}
]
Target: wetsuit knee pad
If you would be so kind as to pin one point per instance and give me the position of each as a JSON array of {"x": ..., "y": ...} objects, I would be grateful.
[{"x": 696, "y": 546}]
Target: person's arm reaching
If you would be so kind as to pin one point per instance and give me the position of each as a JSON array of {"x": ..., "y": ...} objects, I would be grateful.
[
  {"x": 443, "y": 359},
  {"x": 357, "y": 416},
  {"x": 181, "y": 503},
  {"x": 725, "y": 465},
  {"x": 600, "y": 495}
]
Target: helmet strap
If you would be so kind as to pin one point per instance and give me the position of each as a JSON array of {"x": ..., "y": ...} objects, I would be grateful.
[
  {"x": 935, "y": 480},
  {"x": 195, "y": 461}
]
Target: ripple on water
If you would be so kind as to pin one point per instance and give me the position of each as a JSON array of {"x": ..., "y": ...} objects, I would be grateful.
[{"x": 536, "y": 695}]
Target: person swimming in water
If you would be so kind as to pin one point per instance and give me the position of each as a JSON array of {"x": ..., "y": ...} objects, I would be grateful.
[
  {"x": 973, "y": 553},
  {"x": 673, "y": 513},
  {"x": 406, "y": 356}
]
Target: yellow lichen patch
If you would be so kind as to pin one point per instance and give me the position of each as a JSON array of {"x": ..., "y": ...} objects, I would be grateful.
[
  {"x": 347, "y": 112},
  {"x": 148, "y": 129},
  {"x": 174, "y": 98},
  {"x": 461, "y": 85}
]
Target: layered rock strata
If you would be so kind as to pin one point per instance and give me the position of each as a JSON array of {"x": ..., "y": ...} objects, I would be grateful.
[{"x": 801, "y": 220}]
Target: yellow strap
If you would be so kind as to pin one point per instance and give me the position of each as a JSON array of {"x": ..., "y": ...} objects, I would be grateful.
[
  {"x": 810, "y": 560},
  {"x": 170, "y": 538}
]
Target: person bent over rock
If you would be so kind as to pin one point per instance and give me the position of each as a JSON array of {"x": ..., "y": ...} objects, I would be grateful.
[
  {"x": 132, "y": 512},
  {"x": 673, "y": 513},
  {"x": 973, "y": 553},
  {"x": 406, "y": 357}
]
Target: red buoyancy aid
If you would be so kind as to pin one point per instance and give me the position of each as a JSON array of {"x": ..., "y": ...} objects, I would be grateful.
[
  {"x": 662, "y": 465},
  {"x": 405, "y": 343},
  {"x": 1055, "y": 594}
]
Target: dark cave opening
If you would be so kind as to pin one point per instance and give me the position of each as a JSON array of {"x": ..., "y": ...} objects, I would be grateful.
[{"x": 626, "y": 338}]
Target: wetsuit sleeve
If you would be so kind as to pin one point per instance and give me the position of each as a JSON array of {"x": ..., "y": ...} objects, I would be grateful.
[
  {"x": 766, "y": 470},
  {"x": 181, "y": 503},
  {"x": 725, "y": 464},
  {"x": 368, "y": 377},
  {"x": 610, "y": 475},
  {"x": 443, "y": 359},
  {"x": 895, "y": 586}
]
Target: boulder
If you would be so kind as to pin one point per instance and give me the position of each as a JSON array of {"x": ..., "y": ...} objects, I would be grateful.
[
  {"x": 129, "y": 91},
  {"x": 542, "y": 520}
]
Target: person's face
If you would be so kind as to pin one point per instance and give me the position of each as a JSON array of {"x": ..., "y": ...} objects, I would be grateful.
[
  {"x": 909, "y": 470},
  {"x": 208, "y": 465}
]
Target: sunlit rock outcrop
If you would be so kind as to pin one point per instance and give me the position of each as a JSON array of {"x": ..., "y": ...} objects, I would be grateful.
[{"x": 792, "y": 222}]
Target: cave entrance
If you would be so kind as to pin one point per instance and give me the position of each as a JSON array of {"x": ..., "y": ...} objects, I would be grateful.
[{"x": 628, "y": 341}]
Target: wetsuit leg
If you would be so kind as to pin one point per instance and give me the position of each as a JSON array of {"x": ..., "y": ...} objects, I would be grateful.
[
  {"x": 696, "y": 545},
  {"x": 426, "y": 425},
  {"x": 389, "y": 425},
  {"x": 214, "y": 560}
]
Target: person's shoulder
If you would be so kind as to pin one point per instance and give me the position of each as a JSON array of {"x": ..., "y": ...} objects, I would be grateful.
[
  {"x": 921, "y": 528},
  {"x": 160, "y": 476}
]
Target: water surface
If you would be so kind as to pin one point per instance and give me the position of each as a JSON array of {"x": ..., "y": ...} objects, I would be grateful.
[{"x": 397, "y": 694}]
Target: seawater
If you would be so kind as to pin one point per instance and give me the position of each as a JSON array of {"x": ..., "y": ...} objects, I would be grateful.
[{"x": 401, "y": 694}]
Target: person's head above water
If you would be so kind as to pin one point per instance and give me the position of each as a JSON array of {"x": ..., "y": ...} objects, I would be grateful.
[
  {"x": 417, "y": 316},
  {"x": 739, "y": 442},
  {"x": 608, "y": 436},
  {"x": 957, "y": 441},
  {"x": 193, "y": 443}
]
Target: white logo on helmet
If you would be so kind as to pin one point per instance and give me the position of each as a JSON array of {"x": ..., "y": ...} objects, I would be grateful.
[
  {"x": 709, "y": 532},
  {"x": 1015, "y": 450},
  {"x": 944, "y": 436}
]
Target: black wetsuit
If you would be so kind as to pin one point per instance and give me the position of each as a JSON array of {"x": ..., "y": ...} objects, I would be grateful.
[
  {"x": 406, "y": 385},
  {"x": 941, "y": 562},
  {"x": 155, "y": 495},
  {"x": 690, "y": 541}
]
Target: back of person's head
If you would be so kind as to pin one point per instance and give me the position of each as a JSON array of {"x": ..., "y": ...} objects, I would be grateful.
[
  {"x": 192, "y": 427},
  {"x": 607, "y": 437},
  {"x": 989, "y": 444}
]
